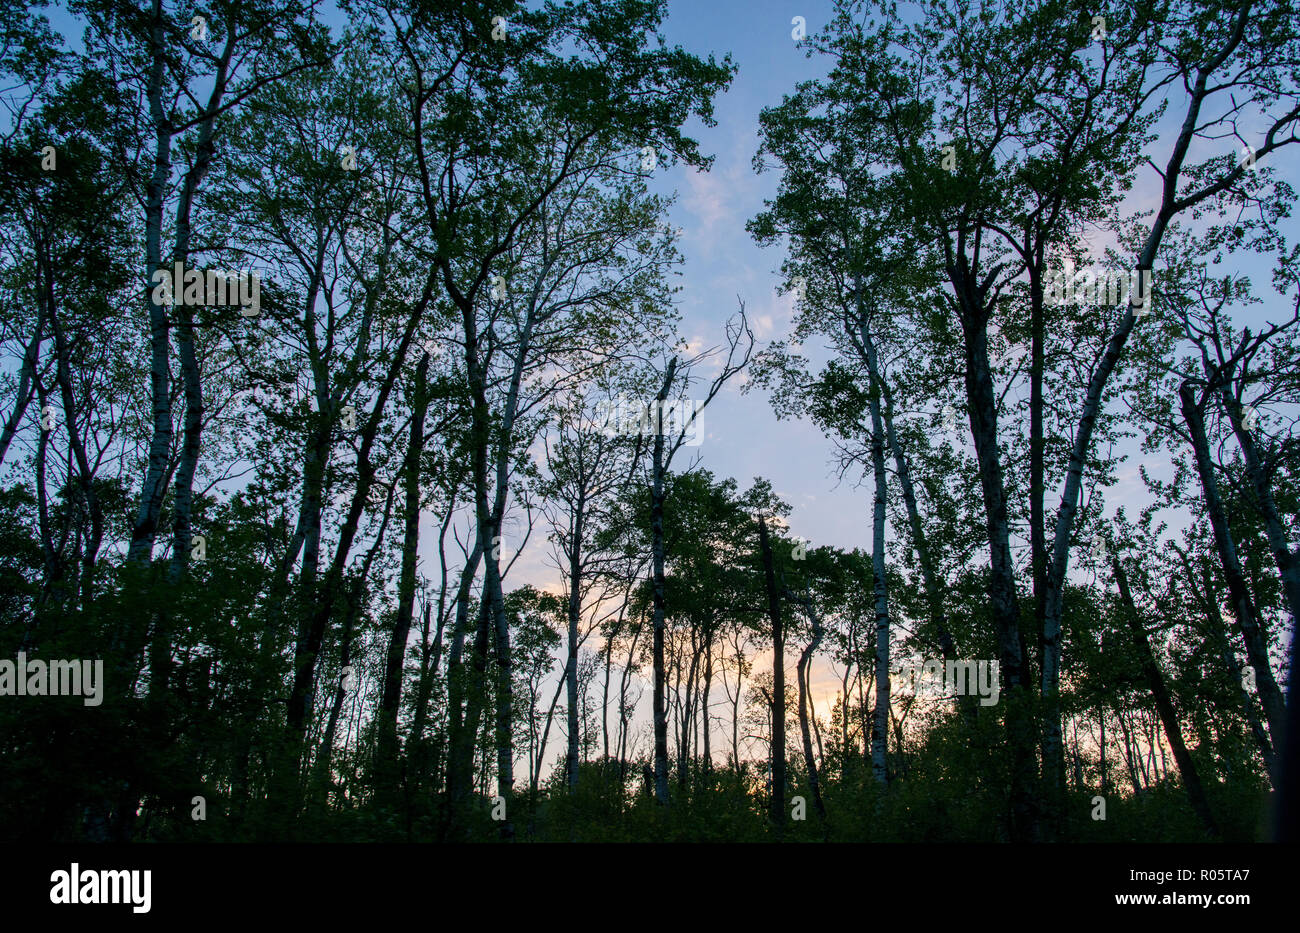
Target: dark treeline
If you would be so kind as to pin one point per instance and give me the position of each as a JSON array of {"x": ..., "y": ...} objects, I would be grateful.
[{"x": 319, "y": 325}]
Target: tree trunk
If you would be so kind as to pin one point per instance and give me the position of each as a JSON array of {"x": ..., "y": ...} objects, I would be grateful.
[
  {"x": 1286, "y": 826},
  {"x": 1101, "y": 720},
  {"x": 1164, "y": 704},
  {"x": 1214, "y": 622},
  {"x": 145, "y": 526},
  {"x": 929, "y": 579},
  {"x": 707, "y": 759},
  {"x": 604, "y": 705},
  {"x": 325, "y": 752},
  {"x": 880, "y": 720},
  {"x": 546, "y": 732},
  {"x": 85, "y": 473},
  {"x": 802, "y": 675},
  {"x": 26, "y": 382},
  {"x": 1128, "y": 752},
  {"x": 982, "y": 403},
  {"x": 395, "y": 660},
  {"x": 622, "y": 700},
  {"x": 657, "y": 493},
  {"x": 504, "y": 691},
  {"x": 1288, "y": 564},
  {"x": 187, "y": 465},
  {"x": 778, "y": 813},
  {"x": 1037, "y": 467},
  {"x": 459, "y": 740},
  {"x": 1175, "y": 199},
  {"x": 418, "y": 766},
  {"x": 1243, "y": 606},
  {"x": 574, "y": 613},
  {"x": 312, "y": 629}
]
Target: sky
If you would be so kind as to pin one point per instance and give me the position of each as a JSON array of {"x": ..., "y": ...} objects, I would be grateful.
[{"x": 742, "y": 438}]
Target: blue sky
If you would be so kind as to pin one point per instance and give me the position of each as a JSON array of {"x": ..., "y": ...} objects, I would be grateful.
[{"x": 742, "y": 437}]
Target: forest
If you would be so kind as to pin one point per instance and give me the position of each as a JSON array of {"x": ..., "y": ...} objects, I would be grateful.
[{"x": 355, "y": 479}]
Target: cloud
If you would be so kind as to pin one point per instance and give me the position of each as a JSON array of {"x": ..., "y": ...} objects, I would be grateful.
[{"x": 710, "y": 202}]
